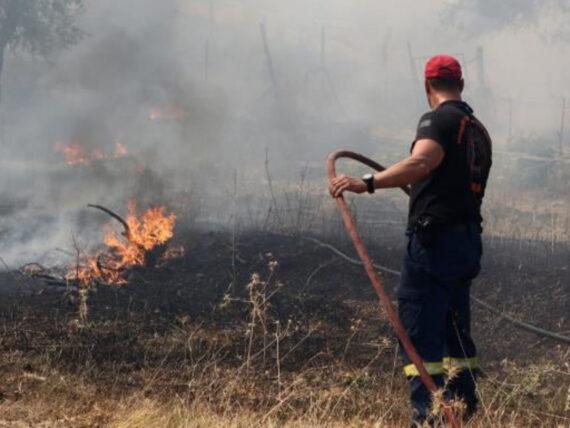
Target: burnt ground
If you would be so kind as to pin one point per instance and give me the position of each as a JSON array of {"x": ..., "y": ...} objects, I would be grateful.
[
  {"x": 317, "y": 286},
  {"x": 162, "y": 333}
]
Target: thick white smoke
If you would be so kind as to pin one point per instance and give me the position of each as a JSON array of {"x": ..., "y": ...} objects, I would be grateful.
[{"x": 329, "y": 74}]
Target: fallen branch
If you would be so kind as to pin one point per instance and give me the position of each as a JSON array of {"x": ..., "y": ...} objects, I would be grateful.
[
  {"x": 103, "y": 267},
  {"x": 51, "y": 280},
  {"x": 47, "y": 278},
  {"x": 517, "y": 323},
  {"x": 127, "y": 232},
  {"x": 151, "y": 256},
  {"x": 349, "y": 259}
]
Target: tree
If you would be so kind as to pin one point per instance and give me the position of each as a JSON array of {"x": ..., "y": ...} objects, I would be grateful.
[{"x": 39, "y": 27}]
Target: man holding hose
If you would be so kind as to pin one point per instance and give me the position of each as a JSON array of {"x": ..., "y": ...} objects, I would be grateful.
[{"x": 447, "y": 169}]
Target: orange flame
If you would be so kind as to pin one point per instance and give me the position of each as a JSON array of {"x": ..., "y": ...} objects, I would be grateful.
[
  {"x": 150, "y": 230},
  {"x": 76, "y": 154},
  {"x": 120, "y": 150},
  {"x": 166, "y": 113}
]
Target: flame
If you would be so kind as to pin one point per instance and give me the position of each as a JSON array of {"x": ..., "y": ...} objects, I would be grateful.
[
  {"x": 147, "y": 231},
  {"x": 120, "y": 150},
  {"x": 76, "y": 154},
  {"x": 166, "y": 113}
]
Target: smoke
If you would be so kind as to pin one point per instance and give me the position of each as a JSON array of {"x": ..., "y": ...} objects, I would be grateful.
[
  {"x": 199, "y": 91},
  {"x": 477, "y": 17}
]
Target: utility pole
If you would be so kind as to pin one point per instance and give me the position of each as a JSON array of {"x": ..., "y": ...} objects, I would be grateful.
[
  {"x": 510, "y": 129},
  {"x": 480, "y": 66},
  {"x": 327, "y": 85},
  {"x": 268, "y": 59},
  {"x": 562, "y": 124},
  {"x": 384, "y": 61},
  {"x": 2, "y": 122},
  {"x": 385, "y": 48},
  {"x": 323, "y": 46},
  {"x": 414, "y": 76},
  {"x": 323, "y": 59},
  {"x": 211, "y": 23},
  {"x": 206, "y": 60},
  {"x": 212, "y": 16}
]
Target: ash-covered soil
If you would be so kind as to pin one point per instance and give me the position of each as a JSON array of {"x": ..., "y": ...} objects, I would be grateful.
[{"x": 314, "y": 286}]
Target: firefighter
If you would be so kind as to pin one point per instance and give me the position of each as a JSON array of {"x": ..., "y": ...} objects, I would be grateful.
[{"x": 447, "y": 169}]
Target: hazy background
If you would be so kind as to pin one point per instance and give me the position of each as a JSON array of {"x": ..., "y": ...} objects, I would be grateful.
[{"x": 187, "y": 87}]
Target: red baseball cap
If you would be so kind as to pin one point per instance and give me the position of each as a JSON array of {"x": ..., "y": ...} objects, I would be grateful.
[{"x": 443, "y": 67}]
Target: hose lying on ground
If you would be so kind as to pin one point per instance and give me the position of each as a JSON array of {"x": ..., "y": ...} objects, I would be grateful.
[{"x": 517, "y": 323}]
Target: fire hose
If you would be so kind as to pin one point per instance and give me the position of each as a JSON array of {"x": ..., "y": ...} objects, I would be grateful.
[
  {"x": 381, "y": 292},
  {"x": 375, "y": 278},
  {"x": 372, "y": 164}
]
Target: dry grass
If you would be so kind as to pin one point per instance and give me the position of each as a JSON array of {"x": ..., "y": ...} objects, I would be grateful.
[
  {"x": 324, "y": 397},
  {"x": 191, "y": 375}
]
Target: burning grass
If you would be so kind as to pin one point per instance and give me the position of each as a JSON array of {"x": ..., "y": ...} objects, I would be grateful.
[
  {"x": 76, "y": 154},
  {"x": 143, "y": 238},
  {"x": 167, "y": 113}
]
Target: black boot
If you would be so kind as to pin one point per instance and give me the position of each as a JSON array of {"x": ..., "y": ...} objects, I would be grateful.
[{"x": 463, "y": 387}]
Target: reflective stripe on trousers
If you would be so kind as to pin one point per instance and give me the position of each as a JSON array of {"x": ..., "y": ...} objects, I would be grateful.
[{"x": 448, "y": 364}]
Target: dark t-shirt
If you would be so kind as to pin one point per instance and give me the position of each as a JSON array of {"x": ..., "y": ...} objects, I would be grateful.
[{"x": 453, "y": 193}]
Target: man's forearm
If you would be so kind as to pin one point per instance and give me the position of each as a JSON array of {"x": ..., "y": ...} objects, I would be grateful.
[{"x": 408, "y": 171}]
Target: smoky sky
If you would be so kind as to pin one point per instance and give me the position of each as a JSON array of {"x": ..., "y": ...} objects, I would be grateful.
[
  {"x": 324, "y": 74},
  {"x": 483, "y": 16},
  {"x": 209, "y": 58}
]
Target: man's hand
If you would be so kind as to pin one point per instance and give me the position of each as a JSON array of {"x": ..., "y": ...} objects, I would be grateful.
[
  {"x": 426, "y": 156},
  {"x": 344, "y": 183}
]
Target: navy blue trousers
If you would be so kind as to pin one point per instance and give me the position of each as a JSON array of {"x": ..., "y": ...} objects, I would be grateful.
[{"x": 434, "y": 306}]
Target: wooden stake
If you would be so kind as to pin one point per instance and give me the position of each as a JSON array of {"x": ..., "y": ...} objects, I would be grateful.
[{"x": 268, "y": 59}]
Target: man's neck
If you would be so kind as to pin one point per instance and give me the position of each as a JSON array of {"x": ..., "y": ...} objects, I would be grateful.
[{"x": 439, "y": 98}]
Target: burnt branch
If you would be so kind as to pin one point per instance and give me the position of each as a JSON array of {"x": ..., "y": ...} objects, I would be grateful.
[
  {"x": 53, "y": 281},
  {"x": 37, "y": 271},
  {"x": 102, "y": 267},
  {"x": 127, "y": 231}
]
